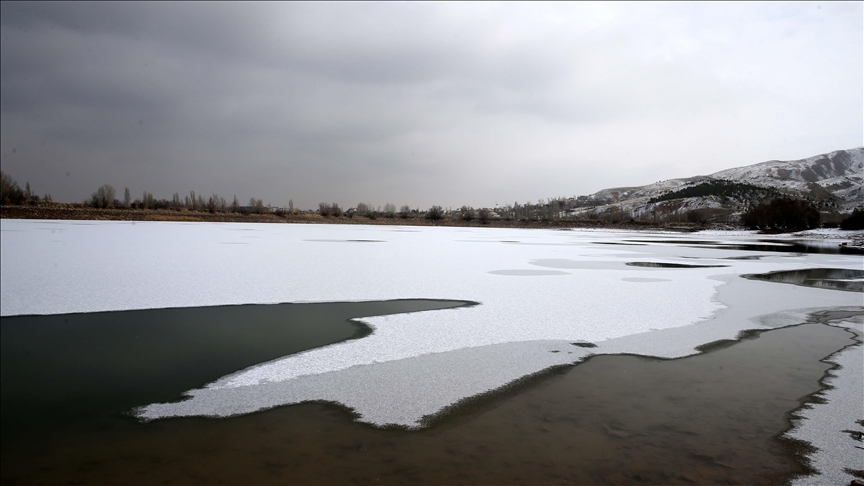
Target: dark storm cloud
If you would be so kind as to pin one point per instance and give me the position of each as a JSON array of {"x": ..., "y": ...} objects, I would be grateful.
[{"x": 413, "y": 102}]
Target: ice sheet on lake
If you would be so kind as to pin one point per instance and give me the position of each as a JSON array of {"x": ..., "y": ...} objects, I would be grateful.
[
  {"x": 413, "y": 365},
  {"x": 402, "y": 392}
]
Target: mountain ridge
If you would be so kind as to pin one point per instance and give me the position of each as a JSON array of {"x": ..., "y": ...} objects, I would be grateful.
[{"x": 834, "y": 181}]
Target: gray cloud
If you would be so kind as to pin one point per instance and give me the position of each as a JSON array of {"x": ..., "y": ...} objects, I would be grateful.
[{"x": 417, "y": 103}]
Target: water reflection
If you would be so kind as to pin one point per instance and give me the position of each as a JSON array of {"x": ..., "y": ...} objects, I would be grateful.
[
  {"x": 782, "y": 246},
  {"x": 679, "y": 242},
  {"x": 670, "y": 265},
  {"x": 825, "y": 278}
]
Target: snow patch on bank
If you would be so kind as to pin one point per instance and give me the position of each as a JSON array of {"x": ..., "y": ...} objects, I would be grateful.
[{"x": 830, "y": 426}]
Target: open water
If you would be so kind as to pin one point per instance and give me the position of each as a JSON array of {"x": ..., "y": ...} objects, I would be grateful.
[{"x": 70, "y": 381}]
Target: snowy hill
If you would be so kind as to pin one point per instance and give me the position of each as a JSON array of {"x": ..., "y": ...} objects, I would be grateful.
[
  {"x": 839, "y": 174},
  {"x": 834, "y": 181}
]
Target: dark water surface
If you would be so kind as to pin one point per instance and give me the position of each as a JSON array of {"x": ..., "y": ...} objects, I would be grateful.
[
  {"x": 670, "y": 265},
  {"x": 777, "y": 246},
  {"x": 65, "y": 368},
  {"x": 827, "y": 278},
  {"x": 710, "y": 418}
]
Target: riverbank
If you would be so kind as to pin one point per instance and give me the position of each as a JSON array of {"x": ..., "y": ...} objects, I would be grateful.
[{"x": 63, "y": 211}]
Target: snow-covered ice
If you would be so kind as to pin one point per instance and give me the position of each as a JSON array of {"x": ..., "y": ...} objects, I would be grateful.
[
  {"x": 538, "y": 290},
  {"x": 843, "y": 407}
]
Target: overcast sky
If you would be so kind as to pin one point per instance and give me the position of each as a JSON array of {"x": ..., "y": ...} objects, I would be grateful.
[{"x": 418, "y": 103}]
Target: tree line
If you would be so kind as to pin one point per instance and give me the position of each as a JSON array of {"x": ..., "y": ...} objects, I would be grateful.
[
  {"x": 11, "y": 193},
  {"x": 773, "y": 210},
  {"x": 105, "y": 197}
]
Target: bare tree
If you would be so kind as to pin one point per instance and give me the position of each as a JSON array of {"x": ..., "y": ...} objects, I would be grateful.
[
  {"x": 213, "y": 203},
  {"x": 103, "y": 197},
  {"x": 10, "y": 193},
  {"x": 256, "y": 205},
  {"x": 390, "y": 210},
  {"x": 435, "y": 213},
  {"x": 405, "y": 211},
  {"x": 467, "y": 213},
  {"x": 127, "y": 198}
]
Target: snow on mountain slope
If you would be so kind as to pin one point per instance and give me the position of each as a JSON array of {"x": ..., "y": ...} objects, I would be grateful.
[
  {"x": 836, "y": 176},
  {"x": 839, "y": 174},
  {"x": 616, "y": 194}
]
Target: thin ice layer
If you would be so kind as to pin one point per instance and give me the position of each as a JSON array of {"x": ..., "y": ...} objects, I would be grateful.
[{"x": 402, "y": 392}]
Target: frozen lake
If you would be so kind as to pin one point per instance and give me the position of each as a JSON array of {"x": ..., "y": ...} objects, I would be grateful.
[{"x": 545, "y": 298}]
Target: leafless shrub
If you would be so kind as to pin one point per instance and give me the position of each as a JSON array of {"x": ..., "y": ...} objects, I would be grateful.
[
  {"x": 484, "y": 215},
  {"x": 435, "y": 213},
  {"x": 326, "y": 209}
]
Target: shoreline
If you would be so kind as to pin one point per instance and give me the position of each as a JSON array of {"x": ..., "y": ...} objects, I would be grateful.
[
  {"x": 329, "y": 431},
  {"x": 75, "y": 212},
  {"x": 78, "y": 212},
  {"x": 818, "y": 411}
]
